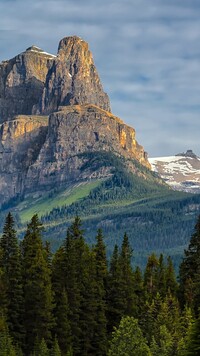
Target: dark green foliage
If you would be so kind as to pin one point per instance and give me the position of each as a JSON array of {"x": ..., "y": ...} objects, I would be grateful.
[
  {"x": 190, "y": 272},
  {"x": 193, "y": 343},
  {"x": 55, "y": 351},
  {"x": 61, "y": 307},
  {"x": 101, "y": 273},
  {"x": 74, "y": 306},
  {"x": 10, "y": 264},
  {"x": 115, "y": 297},
  {"x": 38, "y": 318}
]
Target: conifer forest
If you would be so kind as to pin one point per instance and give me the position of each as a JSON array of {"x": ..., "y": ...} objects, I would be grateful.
[{"x": 76, "y": 302}]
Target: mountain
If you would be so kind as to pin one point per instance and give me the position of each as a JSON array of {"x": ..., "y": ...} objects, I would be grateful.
[
  {"x": 63, "y": 153},
  {"x": 53, "y": 112},
  {"x": 181, "y": 172}
]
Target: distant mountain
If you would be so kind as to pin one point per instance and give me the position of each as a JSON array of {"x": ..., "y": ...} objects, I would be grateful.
[{"x": 181, "y": 172}]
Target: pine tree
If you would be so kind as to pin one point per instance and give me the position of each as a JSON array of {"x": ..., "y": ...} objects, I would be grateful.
[
  {"x": 38, "y": 317},
  {"x": 189, "y": 272},
  {"x": 161, "y": 277},
  {"x": 127, "y": 277},
  {"x": 100, "y": 337},
  {"x": 55, "y": 351},
  {"x": 128, "y": 340},
  {"x": 115, "y": 296},
  {"x": 74, "y": 246},
  {"x": 6, "y": 346},
  {"x": 171, "y": 282},
  {"x": 150, "y": 276},
  {"x": 193, "y": 343},
  {"x": 62, "y": 328},
  {"x": 139, "y": 294},
  {"x": 10, "y": 263}
]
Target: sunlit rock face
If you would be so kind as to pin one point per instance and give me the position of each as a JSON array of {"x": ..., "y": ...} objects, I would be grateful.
[
  {"x": 73, "y": 78},
  {"x": 75, "y": 130}
]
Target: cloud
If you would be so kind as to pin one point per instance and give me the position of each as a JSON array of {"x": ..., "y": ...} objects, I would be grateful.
[{"x": 147, "y": 54}]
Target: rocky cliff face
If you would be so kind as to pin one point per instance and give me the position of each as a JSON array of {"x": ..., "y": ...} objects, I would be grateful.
[
  {"x": 22, "y": 82},
  {"x": 74, "y": 131},
  {"x": 72, "y": 79},
  {"x": 20, "y": 143},
  {"x": 37, "y": 154},
  {"x": 36, "y": 82}
]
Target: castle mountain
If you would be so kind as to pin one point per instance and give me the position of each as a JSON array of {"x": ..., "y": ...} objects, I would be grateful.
[{"x": 53, "y": 113}]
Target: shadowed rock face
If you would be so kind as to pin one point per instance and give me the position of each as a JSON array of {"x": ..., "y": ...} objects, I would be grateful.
[
  {"x": 20, "y": 143},
  {"x": 22, "y": 82}
]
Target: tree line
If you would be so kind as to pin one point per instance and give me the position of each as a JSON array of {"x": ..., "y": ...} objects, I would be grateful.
[{"x": 75, "y": 303}]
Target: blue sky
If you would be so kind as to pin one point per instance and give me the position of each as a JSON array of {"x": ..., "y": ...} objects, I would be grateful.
[{"x": 147, "y": 53}]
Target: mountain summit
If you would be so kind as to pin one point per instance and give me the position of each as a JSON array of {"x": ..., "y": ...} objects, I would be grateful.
[
  {"x": 54, "y": 118},
  {"x": 37, "y": 82}
]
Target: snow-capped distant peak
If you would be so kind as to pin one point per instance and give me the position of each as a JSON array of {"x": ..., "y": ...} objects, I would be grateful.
[
  {"x": 181, "y": 172},
  {"x": 39, "y": 50}
]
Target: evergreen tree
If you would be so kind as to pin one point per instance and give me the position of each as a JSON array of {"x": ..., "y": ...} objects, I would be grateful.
[
  {"x": 161, "y": 277},
  {"x": 171, "y": 282},
  {"x": 128, "y": 340},
  {"x": 10, "y": 264},
  {"x": 193, "y": 344},
  {"x": 127, "y": 277},
  {"x": 6, "y": 346},
  {"x": 40, "y": 348},
  {"x": 115, "y": 295},
  {"x": 55, "y": 351},
  {"x": 139, "y": 295},
  {"x": 150, "y": 276},
  {"x": 74, "y": 246},
  {"x": 61, "y": 307},
  {"x": 37, "y": 286},
  {"x": 189, "y": 272},
  {"x": 101, "y": 274}
]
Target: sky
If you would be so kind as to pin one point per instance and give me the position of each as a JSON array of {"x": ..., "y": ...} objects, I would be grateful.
[{"x": 147, "y": 53}]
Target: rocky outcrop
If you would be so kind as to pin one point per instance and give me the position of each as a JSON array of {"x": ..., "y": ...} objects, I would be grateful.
[
  {"x": 74, "y": 131},
  {"x": 36, "y": 82},
  {"x": 37, "y": 154},
  {"x": 73, "y": 78},
  {"x": 20, "y": 143},
  {"x": 22, "y": 82}
]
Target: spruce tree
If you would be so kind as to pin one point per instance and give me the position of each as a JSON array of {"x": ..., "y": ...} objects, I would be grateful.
[
  {"x": 193, "y": 343},
  {"x": 127, "y": 277},
  {"x": 128, "y": 340},
  {"x": 73, "y": 249},
  {"x": 100, "y": 337},
  {"x": 171, "y": 282},
  {"x": 55, "y": 351},
  {"x": 61, "y": 328},
  {"x": 150, "y": 276},
  {"x": 38, "y": 317},
  {"x": 115, "y": 293},
  {"x": 189, "y": 272},
  {"x": 10, "y": 264}
]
